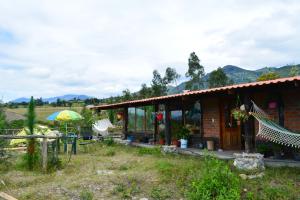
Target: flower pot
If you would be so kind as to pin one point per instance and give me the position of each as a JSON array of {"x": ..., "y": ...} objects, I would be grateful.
[
  {"x": 175, "y": 142},
  {"x": 296, "y": 155},
  {"x": 183, "y": 143},
  {"x": 278, "y": 155},
  {"x": 238, "y": 122},
  {"x": 210, "y": 145},
  {"x": 161, "y": 141}
]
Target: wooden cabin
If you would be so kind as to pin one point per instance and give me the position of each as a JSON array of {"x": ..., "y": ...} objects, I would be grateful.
[{"x": 207, "y": 113}]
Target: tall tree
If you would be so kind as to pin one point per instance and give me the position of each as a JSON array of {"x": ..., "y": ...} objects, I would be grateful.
[
  {"x": 30, "y": 126},
  {"x": 268, "y": 76},
  {"x": 294, "y": 71},
  {"x": 145, "y": 91},
  {"x": 158, "y": 85},
  {"x": 195, "y": 73},
  {"x": 2, "y": 126},
  {"x": 218, "y": 78},
  {"x": 126, "y": 95},
  {"x": 171, "y": 75}
]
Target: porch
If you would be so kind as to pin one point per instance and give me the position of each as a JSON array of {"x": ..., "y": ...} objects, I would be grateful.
[{"x": 223, "y": 155}]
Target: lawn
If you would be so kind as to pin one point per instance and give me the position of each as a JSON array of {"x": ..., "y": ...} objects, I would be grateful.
[
  {"x": 123, "y": 172},
  {"x": 42, "y": 112}
]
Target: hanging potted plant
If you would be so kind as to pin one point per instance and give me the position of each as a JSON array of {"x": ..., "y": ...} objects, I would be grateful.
[
  {"x": 183, "y": 135},
  {"x": 162, "y": 137},
  {"x": 239, "y": 115}
]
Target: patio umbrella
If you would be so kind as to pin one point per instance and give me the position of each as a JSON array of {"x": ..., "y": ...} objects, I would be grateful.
[{"x": 65, "y": 115}]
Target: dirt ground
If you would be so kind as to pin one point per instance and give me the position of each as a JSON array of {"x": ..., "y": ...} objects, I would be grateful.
[{"x": 122, "y": 172}]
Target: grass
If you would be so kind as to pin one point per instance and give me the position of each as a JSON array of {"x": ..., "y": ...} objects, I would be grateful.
[
  {"x": 42, "y": 112},
  {"x": 133, "y": 173}
]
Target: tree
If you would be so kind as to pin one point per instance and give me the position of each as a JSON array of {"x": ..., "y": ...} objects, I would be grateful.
[
  {"x": 145, "y": 91},
  {"x": 158, "y": 85},
  {"x": 171, "y": 75},
  {"x": 294, "y": 71},
  {"x": 30, "y": 126},
  {"x": 218, "y": 78},
  {"x": 195, "y": 73},
  {"x": 268, "y": 76},
  {"x": 2, "y": 126},
  {"x": 126, "y": 95}
]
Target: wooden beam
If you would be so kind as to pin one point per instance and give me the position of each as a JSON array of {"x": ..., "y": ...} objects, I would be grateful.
[
  {"x": 6, "y": 196},
  {"x": 248, "y": 126},
  {"x": 125, "y": 122},
  {"x": 155, "y": 123},
  {"x": 168, "y": 124},
  {"x": 44, "y": 154}
]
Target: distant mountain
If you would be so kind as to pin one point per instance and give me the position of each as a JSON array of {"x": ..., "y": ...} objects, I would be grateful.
[
  {"x": 240, "y": 75},
  {"x": 21, "y": 100},
  {"x": 66, "y": 97}
]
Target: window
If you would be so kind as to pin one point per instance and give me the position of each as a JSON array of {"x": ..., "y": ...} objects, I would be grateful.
[
  {"x": 141, "y": 119},
  {"x": 193, "y": 117},
  {"x": 131, "y": 119}
]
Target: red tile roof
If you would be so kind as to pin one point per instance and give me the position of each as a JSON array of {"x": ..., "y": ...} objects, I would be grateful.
[{"x": 212, "y": 90}]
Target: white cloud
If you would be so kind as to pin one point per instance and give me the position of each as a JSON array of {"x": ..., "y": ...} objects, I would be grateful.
[{"x": 100, "y": 48}]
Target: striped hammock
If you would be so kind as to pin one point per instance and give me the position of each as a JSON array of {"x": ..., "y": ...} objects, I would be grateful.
[{"x": 271, "y": 131}]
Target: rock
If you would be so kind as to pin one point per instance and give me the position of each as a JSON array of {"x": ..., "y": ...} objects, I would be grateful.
[
  {"x": 249, "y": 161},
  {"x": 104, "y": 172},
  {"x": 260, "y": 175},
  {"x": 253, "y": 176},
  {"x": 243, "y": 176},
  {"x": 169, "y": 149}
]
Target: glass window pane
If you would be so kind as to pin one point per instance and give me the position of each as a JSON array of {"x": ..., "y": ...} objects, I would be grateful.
[
  {"x": 193, "y": 117},
  {"x": 150, "y": 115},
  {"x": 131, "y": 119},
  {"x": 140, "y": 119}
]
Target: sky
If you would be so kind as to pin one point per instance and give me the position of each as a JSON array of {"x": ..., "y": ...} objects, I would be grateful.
[{"x": 99, "y": 48}]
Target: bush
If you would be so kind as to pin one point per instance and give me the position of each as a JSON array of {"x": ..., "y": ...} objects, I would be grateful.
[
  {"x": 159, "y": 193},
  {"x": 149, "y": 151},
  {"x": 109, "y": 141},
  {"x": 86, "y": 195},
  {"x": 217, "y": 182},
  {"x": 110, "y": 152}
]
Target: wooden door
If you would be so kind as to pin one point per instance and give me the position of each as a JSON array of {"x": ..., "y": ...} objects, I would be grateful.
[{"x": 231, "y": 131}]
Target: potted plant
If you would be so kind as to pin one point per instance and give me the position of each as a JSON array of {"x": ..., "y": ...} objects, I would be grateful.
[
  {"x": 175, "y": 139},
  {"x": 183, "y": 135},
  {"x": 162, "y": 137},
  {"x": 296, "y": 153},
  {"x": 239, "y": 115}
]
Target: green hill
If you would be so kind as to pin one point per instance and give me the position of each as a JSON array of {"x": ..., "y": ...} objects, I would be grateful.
[{"x": 240, "y": 75}]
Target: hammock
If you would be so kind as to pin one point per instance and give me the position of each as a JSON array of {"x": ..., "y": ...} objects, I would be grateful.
[{"x": 269, "y": 130}]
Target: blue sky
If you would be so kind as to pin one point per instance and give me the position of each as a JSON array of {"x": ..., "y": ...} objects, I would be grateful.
[{"x": 99, "y": 48}]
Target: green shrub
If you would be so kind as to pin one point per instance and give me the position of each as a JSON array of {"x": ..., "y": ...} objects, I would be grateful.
[
  {"x": 86, "y": 195},
  {"x": 158, "y": 193},
  {"x": 109, "y": 141},
  {"x": 110, "y": 152},
  {"x": 149, "y": 151},
  {"x": 217, "y": 182},
  {"x": 129, "y": 189}
]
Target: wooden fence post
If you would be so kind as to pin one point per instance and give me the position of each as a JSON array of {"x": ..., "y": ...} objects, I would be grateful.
[{"x": 44, "y": 154}]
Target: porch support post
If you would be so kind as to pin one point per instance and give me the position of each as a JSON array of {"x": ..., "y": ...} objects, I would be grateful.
[
  {"x": 248, "y": 126},
  {"x": 155, "y": 123},
  {"x": 168, "y": 124},
  {"x": 125, "y": 122}
]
